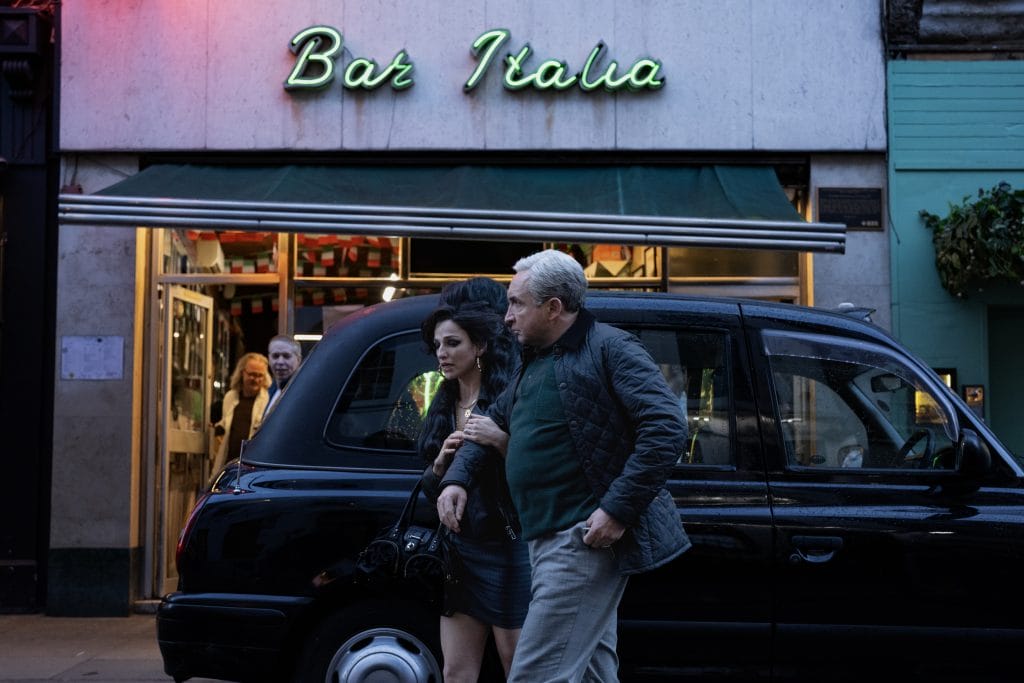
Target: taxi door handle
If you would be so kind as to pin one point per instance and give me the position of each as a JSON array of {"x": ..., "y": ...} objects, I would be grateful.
[{"x": 814, "y": 549}]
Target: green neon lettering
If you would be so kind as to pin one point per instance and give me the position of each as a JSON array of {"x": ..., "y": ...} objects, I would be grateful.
[
  {"x": 313, "y": 51},
  {"x": 316, "y": 48},
  {"x": 644, "y": 74},
  {"x": 551, "y": 74},
  {"x": 360, "y": 73},
  {"x": 515, "y": 66},
  {"x": 488, "y": 44},
  {"x": 592, "y": 58},
  {"x": 606, "y": 79},
  {"x": 401, "y": 68},
  {"x": 611, "y": 84}
]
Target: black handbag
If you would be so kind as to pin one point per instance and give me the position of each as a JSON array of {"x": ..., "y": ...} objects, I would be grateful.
[{"x": 408, "y": 551}]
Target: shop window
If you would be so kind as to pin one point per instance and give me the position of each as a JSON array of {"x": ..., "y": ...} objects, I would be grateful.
[
  {"x": 436, "y": 257},
  {"x": 189, "y": 252},
  {"x": 615, "y": 261},
  {"x": 317, "y": 307},
  {"x": 326, "y": 255},
  {"x": 690, "y": 262}
]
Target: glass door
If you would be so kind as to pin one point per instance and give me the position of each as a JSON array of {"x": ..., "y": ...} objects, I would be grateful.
[{"x": 184, "y": 465}]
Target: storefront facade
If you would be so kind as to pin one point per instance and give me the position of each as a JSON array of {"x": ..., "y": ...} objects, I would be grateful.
[
  {"x": 956, "y": 104},
  {"x": 231, "y": 173}
]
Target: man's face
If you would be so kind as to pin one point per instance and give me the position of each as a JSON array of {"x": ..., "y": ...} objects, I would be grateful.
[
  {"x": 283, "y": 360},
  {"x": 526, "y": 316},
  {"x": 252, "y": 377}
]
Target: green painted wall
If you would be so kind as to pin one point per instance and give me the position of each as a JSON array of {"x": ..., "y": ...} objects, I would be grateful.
[
  {"x": 1005, "y": 391},
  {"x": 954, "y": 127}
]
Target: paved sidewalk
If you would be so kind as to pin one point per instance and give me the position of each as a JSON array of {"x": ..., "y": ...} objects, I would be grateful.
[{"x": 37, "y": 648}]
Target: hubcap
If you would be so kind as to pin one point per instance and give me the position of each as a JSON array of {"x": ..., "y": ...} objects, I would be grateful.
[{"x": 383, "y": 655}]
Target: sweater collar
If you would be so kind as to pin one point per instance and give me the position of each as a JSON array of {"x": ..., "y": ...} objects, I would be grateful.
[{"x": 571, "y": 339}]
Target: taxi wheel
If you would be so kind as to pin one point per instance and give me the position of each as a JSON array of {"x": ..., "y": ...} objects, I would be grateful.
[{"x": 392, "y": 642}]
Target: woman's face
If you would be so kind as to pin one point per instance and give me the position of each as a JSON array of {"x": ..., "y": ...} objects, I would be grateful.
[
  {"x": 456, "y": 354},
  {"x": 253, "y": 377}
]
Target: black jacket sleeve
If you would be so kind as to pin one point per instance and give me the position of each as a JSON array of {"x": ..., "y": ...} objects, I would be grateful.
[{"x": 470, "y": 459}]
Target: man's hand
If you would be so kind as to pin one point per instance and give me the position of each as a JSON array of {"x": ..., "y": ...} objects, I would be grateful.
[
  {"x": 603, "y": 529},
  {"x": 450, "y": 506},
  {"x": 482, "y": 430}
]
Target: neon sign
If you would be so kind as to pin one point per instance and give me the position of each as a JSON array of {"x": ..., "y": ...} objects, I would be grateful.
[
  {"x": 315, "y": 49},
  {"x": 318, "y": 48},
  {"x": 553, "y": 74}
]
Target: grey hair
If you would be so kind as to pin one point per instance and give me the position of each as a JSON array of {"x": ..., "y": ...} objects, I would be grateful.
[
  {"x": 554, "y": 275},
  {"x": 236, "y": 376},
  {"x": 296, "y": 346}
]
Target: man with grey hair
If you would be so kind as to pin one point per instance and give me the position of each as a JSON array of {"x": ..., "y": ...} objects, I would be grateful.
[
  {"x": 594, "y": 431},
  {"x": 285, "y": 356}
]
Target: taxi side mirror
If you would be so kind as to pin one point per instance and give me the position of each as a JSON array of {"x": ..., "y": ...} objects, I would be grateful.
[{"x": 974, "y": 460}]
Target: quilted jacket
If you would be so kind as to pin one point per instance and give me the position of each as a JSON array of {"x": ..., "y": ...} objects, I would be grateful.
[{"x": 627, "y": 431}]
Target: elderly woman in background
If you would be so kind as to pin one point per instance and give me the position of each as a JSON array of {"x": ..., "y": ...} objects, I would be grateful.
[{"x": 244, "y": 405}]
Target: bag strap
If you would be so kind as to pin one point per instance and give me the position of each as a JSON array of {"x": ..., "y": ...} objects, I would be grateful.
[
  {"x": 398, "y": 530},
  {"x": 440, "y": 535}
]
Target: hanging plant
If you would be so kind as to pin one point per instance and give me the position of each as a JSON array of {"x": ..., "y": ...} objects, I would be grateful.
[{"x": 980, "y": 241}]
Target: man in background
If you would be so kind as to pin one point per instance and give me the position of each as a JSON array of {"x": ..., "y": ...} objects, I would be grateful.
[{"x": 285, "y": 356}]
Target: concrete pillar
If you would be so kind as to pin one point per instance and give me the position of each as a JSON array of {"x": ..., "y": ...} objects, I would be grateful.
[{"x": 95, "y": 544}]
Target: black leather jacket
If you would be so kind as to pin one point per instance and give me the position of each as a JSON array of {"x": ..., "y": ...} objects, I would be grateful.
[
  {"x": 489, "y": 514},
  {"x": 627, "y": 431}
]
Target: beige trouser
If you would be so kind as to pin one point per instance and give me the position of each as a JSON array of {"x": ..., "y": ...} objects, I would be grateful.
[{"x": 571, "y": 629}]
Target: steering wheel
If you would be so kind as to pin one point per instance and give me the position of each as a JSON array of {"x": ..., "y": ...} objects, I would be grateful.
[{"x": 904, "y": 453}]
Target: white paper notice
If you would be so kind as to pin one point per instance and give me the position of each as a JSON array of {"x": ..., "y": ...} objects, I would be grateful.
[{"x": 92, "y": 357}]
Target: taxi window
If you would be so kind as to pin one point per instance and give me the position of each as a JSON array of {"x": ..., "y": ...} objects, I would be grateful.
[
  {"x": 383, "y": 404},
  {"x": 694, "y": 363},
  {"x": 846, "y": 404}
]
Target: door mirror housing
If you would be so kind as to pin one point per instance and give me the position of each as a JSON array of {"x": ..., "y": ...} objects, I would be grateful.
[{"x": 974, "y": 459}]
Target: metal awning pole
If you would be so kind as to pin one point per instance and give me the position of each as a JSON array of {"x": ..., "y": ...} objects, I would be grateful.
[
  {"x": 452, "y": 223},
  {"x": 261, "y": 208}
]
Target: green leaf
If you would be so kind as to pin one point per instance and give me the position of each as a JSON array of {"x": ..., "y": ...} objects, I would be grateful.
[{"x": 980, "y": 240}]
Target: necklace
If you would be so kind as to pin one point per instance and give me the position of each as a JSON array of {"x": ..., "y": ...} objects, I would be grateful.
[{"x": 467, "y": 410}]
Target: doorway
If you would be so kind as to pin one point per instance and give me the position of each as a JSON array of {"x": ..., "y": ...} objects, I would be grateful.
[
  {"x": 1005, "y": 371},
  {"x": 184, "y": 460}
]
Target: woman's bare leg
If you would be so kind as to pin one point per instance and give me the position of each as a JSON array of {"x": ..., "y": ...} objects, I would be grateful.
[
  {"x": 505, "y": 640},
  {"x": 463, "y": 640}
]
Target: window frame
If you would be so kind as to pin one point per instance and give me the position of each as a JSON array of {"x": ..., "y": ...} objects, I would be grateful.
[
  {"x": 726, "y": 351},
  {"x": 381, "y": 451},
  {"x": 728, "y": 358},
  {"x": 856, "y": 351}
]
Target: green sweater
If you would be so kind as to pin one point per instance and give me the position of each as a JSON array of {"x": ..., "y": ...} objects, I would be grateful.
[{"x": 544, "y": 473}]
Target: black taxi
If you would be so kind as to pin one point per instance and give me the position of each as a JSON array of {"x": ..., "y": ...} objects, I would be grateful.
[{"x": 851, "y": 518}]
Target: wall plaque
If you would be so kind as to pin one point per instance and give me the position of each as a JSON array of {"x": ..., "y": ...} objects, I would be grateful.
[
  {"x": 859, "y": 208},
  {"x": 94, "y": 357}
]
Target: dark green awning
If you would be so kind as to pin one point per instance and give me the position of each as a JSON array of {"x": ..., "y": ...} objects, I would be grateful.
[{"x": 711, "y": 206}]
